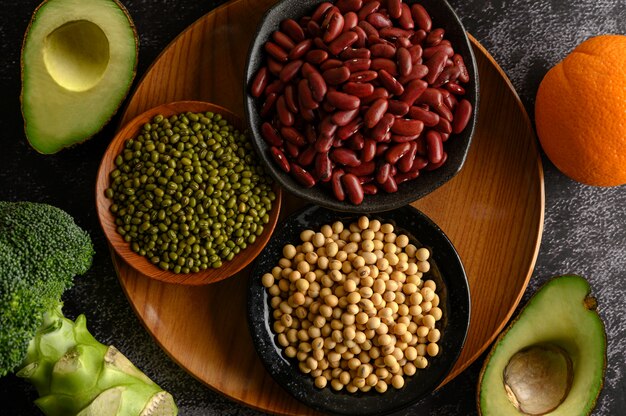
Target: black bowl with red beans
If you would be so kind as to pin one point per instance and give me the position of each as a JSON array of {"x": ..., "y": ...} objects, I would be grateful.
[{"x": 361, "y": 106}]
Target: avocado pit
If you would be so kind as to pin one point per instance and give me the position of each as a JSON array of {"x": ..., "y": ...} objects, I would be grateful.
[
  {"x": 537, "y": 379},
  {"x": 76, "y": 55}
]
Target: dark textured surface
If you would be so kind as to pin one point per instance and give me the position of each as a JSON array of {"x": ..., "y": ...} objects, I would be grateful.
[
  {"x": 457, "y": 149},
  {"x": 446, "y": 271},
  {"x": 585, "y": 227}
]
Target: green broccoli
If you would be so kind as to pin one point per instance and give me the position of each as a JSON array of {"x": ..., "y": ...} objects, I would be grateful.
[{"x": 41, "y": 250}]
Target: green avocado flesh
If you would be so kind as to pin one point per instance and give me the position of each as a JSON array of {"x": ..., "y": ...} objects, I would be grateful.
[
  {"x": 560, "y": 340},
  {"x": 78, "y": 63}
]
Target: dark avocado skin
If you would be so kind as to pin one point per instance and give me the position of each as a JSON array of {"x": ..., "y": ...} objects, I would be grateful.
[{"x": 589, "y": 303}]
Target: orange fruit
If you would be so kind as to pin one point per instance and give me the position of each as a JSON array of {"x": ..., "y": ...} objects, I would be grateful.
[{"x": 580, "y": 112}]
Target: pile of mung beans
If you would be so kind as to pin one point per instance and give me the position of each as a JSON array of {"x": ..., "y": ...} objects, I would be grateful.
[
  {"x": 188, "y": 192},
  {"x": 354, "y": 306}
]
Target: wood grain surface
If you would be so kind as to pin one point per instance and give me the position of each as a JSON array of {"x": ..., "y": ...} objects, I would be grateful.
[
  {"x": 492, "y": 211},
  {"x": 107, "y": 220}
]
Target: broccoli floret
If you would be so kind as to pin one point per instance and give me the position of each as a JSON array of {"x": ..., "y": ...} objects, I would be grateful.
[{"x": 41, "y": 250}]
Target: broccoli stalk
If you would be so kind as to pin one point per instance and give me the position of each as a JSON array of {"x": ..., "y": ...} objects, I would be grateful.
[{"x": 41, "y": 250}]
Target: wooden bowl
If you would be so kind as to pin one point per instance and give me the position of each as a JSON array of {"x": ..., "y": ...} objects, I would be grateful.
[
  {"x": 457, "y": 146},
  {"x": 107, "y": 220}
]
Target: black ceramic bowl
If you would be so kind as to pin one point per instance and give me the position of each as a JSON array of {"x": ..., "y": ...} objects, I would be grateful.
[
  {"x": 446, "y": 270},
  {"x": 456, "y": 147}
]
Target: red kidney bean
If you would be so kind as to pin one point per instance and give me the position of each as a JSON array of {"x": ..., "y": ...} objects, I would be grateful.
[
  {"x": 330, "y": 64},
  {"x": 386, "y": 64},
  {"x": 449, "y": 99},
  {"x": 398, "y": 108},
  {"x": 381, "y": 148},
  {"x": 421, "y": 17},
  {"x": 356, "y": 142},
  {"x": 378, "y": 20},
  {"x": 435, "y": 66},
  {"x": 455, "y": 88},
  {"x": 383, "y": 50},
  {"x": 336, "y": 76},
  {"x": 270, "y": 135},
  {"x": 349, "y": 129},
  {"x": 274, "y": 66},
  {"x": 284, "y": 115},
  {"x": 300, "y": 49},
  {"x": 353, "y": 188},
  {"x": 368, "y": 28},
  {"x": 390, "y": 83},
  {"x": 358, "y": 89},
  {"x": 280, "y": 158},
  {"x": 442, "y": 47},
  {"x": 336, "y": 185},
  {"x": 396, "y": 138},
  {"x": 379, "y": 92},
  {"x": 406, "y": 162},
  {"x": 458, "y": 61},
  {"x": 462, "y": 116},
  {"x": 327, "y": 127},
  {"x": 342, "y": 100},
  {"x": 403, "y": 42},
  {"x": 276, "y": 52},
  {"x": 293, "y": 136},
  {"x": 307, "y": 114},
  {"x": 363, "y": 76},
  {"x": 396, "y": 151},
  {"x": 444, "y": 112},
  {"x": 314, "y": 30},
  {"x": 418, "y": 37},
  {"x": 406, "y": 19},
  {"x": 260, "y": 82},
  {"x": 283, "y": 40},
  {"x": 419, "y": 71},
  {"x": 382, "y": 173},
  {"x": 350, "y": 21},
  {"x": 292, "y": 29},
  {"x": 367, "y": 9},
  {"x": 361, "y": 37},
  {"x": 449, "y": 73},
  {"x": 290, "y": 99},
  {"x": 405, "y": 64},
  {"x": 346, "y": 157},
  {"x": 390, "y": 185},
  {"x": 443, "y": 126},
  {"x": 268, "y": 105},
  {"x": 349, "y": 5},
  {"x": 394, "y": 8},
  {"x": 413, "y": 91},
  {"x": 290, "y": 70},
  {"x": 350, "y": 53},
  {"x": 324, "y": 143},
  {"x": 305, "y": 96},
  {"x": 308, "y": 69},
  {"x": 307, "y": 156},
  {"x": 404, "y": 177},
  {"x": 405, "y": 127},
  {"x": 383, "y": 127},
  {"x": 369, "y": 150},
  {"x": 309, "y": 133},
  {"x": 356, "y": 65},
  {"x": 332, "y": 26},
  {"x": 342, "y": 42},
  {"x": 341, "y": 118},
  {"x": 291, "y": 149},
  {"x": 320, "y": 11},
  {"x": 302, "y": 176},
  {"x": 393, "y": 33},
  {"x": 364, "y": 169},
  {"x": 429, "y": 118},
  {"x": 323, "y": 167},
  {"x": 416, "y": 53},
  {"x": 376, "y": 112},
  {"x": 433, "y": 166},
  {"x": 430, "y": 96},
  {"x": 318, "y": 87},
  {"x": 316, "y": 56},
  {"x": 370, "y": 189},
  {"x": 435, "y": 37}
]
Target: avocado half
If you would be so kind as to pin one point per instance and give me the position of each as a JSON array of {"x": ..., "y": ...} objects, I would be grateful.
[
  {"x": 552, "y": 357},
  {"x": 79, "y": 59}
]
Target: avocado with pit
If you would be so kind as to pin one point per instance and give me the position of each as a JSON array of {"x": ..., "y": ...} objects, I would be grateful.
[
  {"x": 78, "y": 62},
  {"x": 551, "y": 359}
]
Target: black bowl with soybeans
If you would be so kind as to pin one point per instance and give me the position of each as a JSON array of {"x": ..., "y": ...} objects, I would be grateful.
[
  {"x": 361, "y": 106},
  {"x": 358, "y": 315},
  {"x": 181, "y": 194}
]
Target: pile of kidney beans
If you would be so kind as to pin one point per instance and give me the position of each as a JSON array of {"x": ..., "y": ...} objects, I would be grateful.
[{"x": 362, "y": 96}]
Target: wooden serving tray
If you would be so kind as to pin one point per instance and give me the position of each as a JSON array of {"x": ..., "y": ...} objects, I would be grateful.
[{"x": 492, "y": 211}]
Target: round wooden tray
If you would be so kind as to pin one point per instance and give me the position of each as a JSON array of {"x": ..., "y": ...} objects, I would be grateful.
[{"x": 492, "y": 211}]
